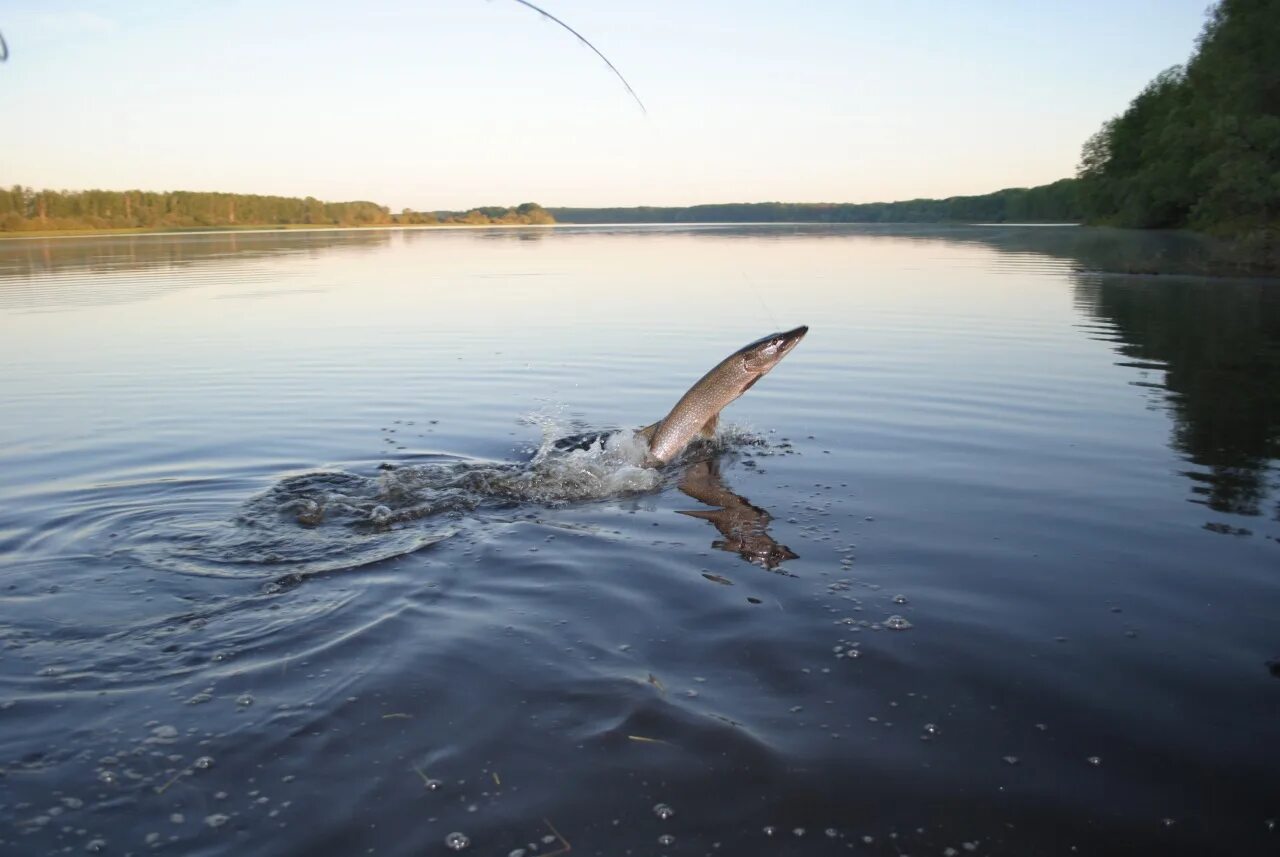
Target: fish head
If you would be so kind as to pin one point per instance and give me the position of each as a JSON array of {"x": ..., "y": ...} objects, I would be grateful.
[{"x": 765, "y": 353}]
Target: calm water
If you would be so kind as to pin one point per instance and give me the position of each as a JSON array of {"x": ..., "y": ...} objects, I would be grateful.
[{"x": 286, "y": 568}]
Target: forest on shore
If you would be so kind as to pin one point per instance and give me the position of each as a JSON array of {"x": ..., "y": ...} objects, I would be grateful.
[
  {"x": 1199, "y": 147},
  {"x": 1051, "y": 203},
  {"x": 23, "y": 209}
]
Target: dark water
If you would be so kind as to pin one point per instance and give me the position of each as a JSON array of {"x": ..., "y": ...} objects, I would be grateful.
[{"x": 287, "y": 567}]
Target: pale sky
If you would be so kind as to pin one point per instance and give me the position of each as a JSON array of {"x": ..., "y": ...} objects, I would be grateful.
[{"x": 450, "y": 104}]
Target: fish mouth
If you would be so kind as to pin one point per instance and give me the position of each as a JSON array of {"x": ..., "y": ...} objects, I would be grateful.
[
  {"x": 796, "y": 334},
  {"x": 790, "y": 339}
]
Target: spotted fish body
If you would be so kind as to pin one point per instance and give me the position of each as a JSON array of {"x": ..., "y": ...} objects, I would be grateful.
[{"x": 698, "y": 410}]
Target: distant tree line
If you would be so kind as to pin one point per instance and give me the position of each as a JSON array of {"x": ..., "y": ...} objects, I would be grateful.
[
  {"x": 529, "y": 213},
  {"x": 22, "y": 208},
  {"x": 1051, "y": 203},
  {"x": 1200, "y": 146}
]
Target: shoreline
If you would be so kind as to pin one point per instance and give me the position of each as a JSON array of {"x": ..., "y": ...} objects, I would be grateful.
[{"x": 34, "y": 234}]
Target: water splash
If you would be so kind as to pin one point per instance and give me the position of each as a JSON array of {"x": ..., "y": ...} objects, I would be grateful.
[{"x": 334, "y": 520}]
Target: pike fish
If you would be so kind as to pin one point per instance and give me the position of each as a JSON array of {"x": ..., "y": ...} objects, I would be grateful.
[{"x": 698, "y": 411}]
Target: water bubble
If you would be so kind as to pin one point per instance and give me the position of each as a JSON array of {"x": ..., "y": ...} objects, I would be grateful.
[
  {"x": 177, "y": 818},
  {"x": 516, "y": 852},
  {"x": 164, "y": 733},
  {"x": 831, "y": 832},
  {"x": 1167, "y": 822},
  {"x": 1095, "y": 760},
  {"x": 1010, "y": 760},
  {"x": 799, "y": 831},
  {"x": 666, "y": 840},
  {"x": 663, "y": 811},
  {"x": 897, "y": 623},
  {"x": 204, "y": 763},
  {"x": 217, "y": 819},
  {"x": 244, "y": 700},
  {"x": 93, "y": 846},
  {"x": 108, "y": 777},
  {"x": 931, "y": 729},
  {"x": 770, "y": 830},
  {"x": 456, "y": 841},
  {"x": 899, "y": 599},
  {"x": 433, "y": 785}
]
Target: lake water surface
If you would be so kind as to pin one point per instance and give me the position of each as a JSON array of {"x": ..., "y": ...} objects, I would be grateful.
[{"x": 989, "y": 564}]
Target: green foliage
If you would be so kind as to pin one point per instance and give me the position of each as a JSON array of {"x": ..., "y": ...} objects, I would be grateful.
[
  {"x": 527, "y": 213},
  {"x": 23, "y": 208},
  {"x": 1051, "y": 203},
  {"x": 1200, "y": 145}
]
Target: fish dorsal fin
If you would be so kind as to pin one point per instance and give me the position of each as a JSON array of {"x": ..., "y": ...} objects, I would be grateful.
[
  {"x": 649, "y": 431},
  {"x": 709, "y": 428}
]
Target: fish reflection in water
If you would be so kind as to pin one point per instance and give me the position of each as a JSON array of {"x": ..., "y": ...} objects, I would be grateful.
[{"x": 743, "y": 525}]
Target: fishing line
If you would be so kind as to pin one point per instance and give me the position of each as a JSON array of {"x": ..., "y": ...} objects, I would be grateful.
[
  {"x": 763, "y": 305},
  {"x": 544, "y": 13}
]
